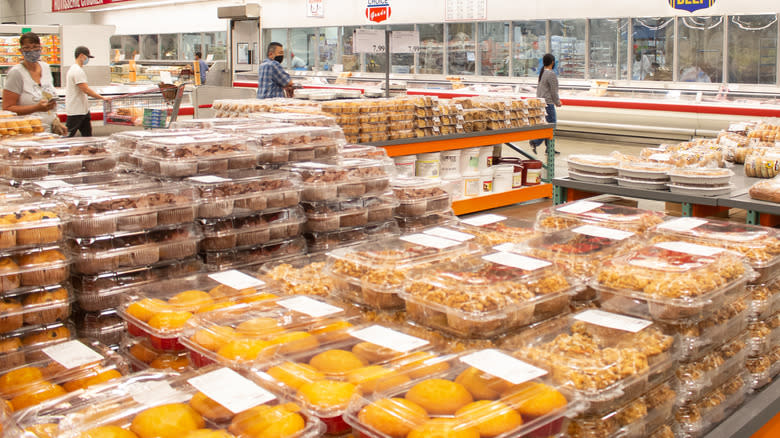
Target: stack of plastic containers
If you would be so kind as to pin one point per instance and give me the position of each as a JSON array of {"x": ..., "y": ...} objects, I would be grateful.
[
  {"x": 423, "y": 203},
  {"x": 699, "y": 293},
  {"x": 492, "y": 230},
  {"x": 124, "y": 233},
  {"x": 346, "y": 201},
  {"x": 34, "y": 271}
]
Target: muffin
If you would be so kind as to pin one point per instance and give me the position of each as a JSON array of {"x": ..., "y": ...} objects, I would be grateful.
[
  {"x": 45, "y": 338},
  {"x": 11, "y": 354},
  {"x": 9, "y": 277},
  {"x": 7, "y": 237},
  {"x": 47, "y": 274},
  {"x": 10, "y": 315},
  {"x": 46, "y": 307},
  {"x": 38, "y": 235}
]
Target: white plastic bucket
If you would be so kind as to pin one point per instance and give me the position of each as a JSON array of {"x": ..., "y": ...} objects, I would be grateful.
[
  {"x": 429, "y": 165},
  {"x": 469, "y": 161},
  {"x": 485, "y": 157},
  {"x": 486, "y": 181},
  {"x": 502, "y": 178},
  {"x": 450, "y": 164},
  {"x": 405, "y": 165},
  {"x": 471, "y": 186},
  {"x": 455, "y": 186}
]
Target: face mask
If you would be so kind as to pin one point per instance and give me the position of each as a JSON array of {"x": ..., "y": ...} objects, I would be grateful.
[
  {"x": 86, "y": 61},
  {"x": 279, "y": 59},
  {"x": 32, "y": 56}
]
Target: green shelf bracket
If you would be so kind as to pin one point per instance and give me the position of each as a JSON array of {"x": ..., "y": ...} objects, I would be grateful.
[
  {"x": 559, "y": 195},
  {"x": 753, "y": 217},
  {"x": 687, "y": 209}
]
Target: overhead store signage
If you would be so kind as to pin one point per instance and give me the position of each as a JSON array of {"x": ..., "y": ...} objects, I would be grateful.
[
  {"x": 691, "y": 5},
  {"x": 315, "y": 8},
  {"x": 69, "y": 5},
  {"x": 465, "y": 10},
  {"x": 378, "y": 10}
]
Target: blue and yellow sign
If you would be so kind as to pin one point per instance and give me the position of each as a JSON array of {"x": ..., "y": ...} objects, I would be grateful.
[{"x": 691, "y": 5}]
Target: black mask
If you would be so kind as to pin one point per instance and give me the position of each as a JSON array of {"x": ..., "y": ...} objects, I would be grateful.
[{"x": 279, "y": 59}]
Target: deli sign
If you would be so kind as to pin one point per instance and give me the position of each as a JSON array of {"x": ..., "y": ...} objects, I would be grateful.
[
  {"x": 378, "y": 10},
  {"x": 691, "y": 5},
  {"x": 69, "y": 5}
]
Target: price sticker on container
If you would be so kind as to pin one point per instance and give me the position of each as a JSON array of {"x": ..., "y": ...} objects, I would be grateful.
[
  {"x": 232, "y": 390},
  {"x": 682, "y": 224},
  {"x": 237, "y": 280},
  {"x": 737, "y": 127},
  {"x": 580, "y": 207},
  {"x": 660, "y": 157},
  {"x": 613, "y": 321},
  {"x": 503, "y": 366},
  {"x": 72, "y": 354},
  {"x": 309, "y": 306},
  {"x": 605, "y": 233},
  {"x": 52, "y": 184},
  {"x": 449, "y": 233},
  {"x": 388, "y": 338},
  {"x": 429, "y": 241},
  {"x": 209, "y": 179},
  {"x": 484, "y": 219},
  {"x": 517, "y": 261},
  {"x": 690, "y": 248},
  {"x": 505, "y": 247}
]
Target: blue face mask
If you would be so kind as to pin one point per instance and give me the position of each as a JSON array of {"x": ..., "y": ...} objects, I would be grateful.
[
  {"x": 86, "y": 61},
  {"x": 32, "y": 56}
]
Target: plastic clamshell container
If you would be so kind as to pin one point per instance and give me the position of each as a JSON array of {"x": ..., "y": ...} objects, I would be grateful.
[
  {"x": 254, "y": 229},
  {"x": 245, "y": 191},
  {"x": 609, "y": 359},
  {"x": 127, "y": 141},
  {"x": 246, "y": 334},
  {"x": 35, "y": 306},
  {"x": 54, "y": 186},
  {"x": 493, "y": 229},
  {"x": 33, "y": 159},
  {"x": 24, "y": 345},
  {"x": 578, "y": 213},
  {"x": 760, "y": 245},
  {"x": 93, "y": 255},
  {"x": 592, "y": 177},
  {"x": 63, "y": 368},
  {"x": 765, "y": 299},
  {"x": 297, "y": 143},
  {"x": 102, "y": 211},
  {"x": 420, "y": 196},
  {"x": 160, "y": 310},
  {"x": 299, "y": 119},
  {"x": 104, "y": 326},
  {"x": 763, "y": 368},
  {"x": 43, "y": 266},
  {"x": 701, "y": 176},
  {"x": 764, "y": 335},
  {"x": 209, "y": 123},
  {"x": 300, "y": 275},
  {"x": 602, "y": 164},
  {"x": 672, "y": 281},
  {"x": 380, "y": 208},
  {"x": 636, "y": 419},
  {"x": 373, "y": 273},
  {"x": 147, "y": 398},
  {"x": 488, "y": 401},
  {"x": 364, "y": 151},
  {"x": 142, "y": 356},
  {"x": 25, "y": 223},
  {"x": 335, "y": 215},
  {"x": 104, "y": 290},
  {"x": 416, "y": 224},
  {"x": 186, "y": 156},
  {"x": 487, "y": 296},
  {"x": 698, "y": 417},
  {"x": 701, "y": 191},
  {"x": 329, "y": 240},
  {"x": 345, "y": 363},
  {"x": 343, "y": 179},
  {"x": 644, "y": 171},
  {"x": 246, "y": 257},
  {"x": 695, "y": 379}
]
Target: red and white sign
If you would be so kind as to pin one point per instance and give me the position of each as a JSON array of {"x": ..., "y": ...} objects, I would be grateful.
[
  {"x": 69, "y": 5},
  {"x": 315, "y": 8},
  {"x": 378, "y": 10}
]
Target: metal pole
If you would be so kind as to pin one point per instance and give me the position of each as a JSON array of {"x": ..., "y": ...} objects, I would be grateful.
[{"x": 387, "y": 63}]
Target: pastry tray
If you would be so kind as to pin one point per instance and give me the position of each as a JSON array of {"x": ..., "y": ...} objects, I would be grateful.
[
  {"x": 602, "y": 164},
  {"x": 695, "y": 379},
  {"x": 701, "y": 176},
  {"x": 596, "y": 213},
  {"x": 343, "y": 179},
  {"x": 329, "y": 240},
  {"x": 700, "y": 191},
  {"x": 420, "y": 196},
  {"x": 764, "y": 335},
  {"x": 633, "y": 183},
  {"x": 765, "y": 300},
  {"x": 493, "y": 229},
  {"x": 595, "y": 178},
  {"x": 34, "y": 307},
  {"x": 299, "y": 119},
  {"x": 26, "y": 222},
  {"x": 104, "y": 326},
  {"x": 127, "y": 141},
  {"x": 25, "y": 268},
  {"x": 299, "y": 275},
  {"x": 417, "y": 224},
  {"x": 251, "y": 230},
  {"x": 696, "y": 419},
  {"x": 142, "y": 356},
  {"x": 245, "y": 191},
  {"x": 334, "y": 215},
  {"x": 253, "y": 255},
  {"x": 644, "y": 171}
]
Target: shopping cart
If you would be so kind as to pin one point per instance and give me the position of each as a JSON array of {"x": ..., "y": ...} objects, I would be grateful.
[{"x": 153, "y": 108}]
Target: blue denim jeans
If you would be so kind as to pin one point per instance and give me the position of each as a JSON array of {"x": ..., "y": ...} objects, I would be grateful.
[{"x": 551, "y": 118}]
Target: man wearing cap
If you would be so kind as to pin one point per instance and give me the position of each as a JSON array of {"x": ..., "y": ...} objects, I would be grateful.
[{"x": 76, "y": 92}]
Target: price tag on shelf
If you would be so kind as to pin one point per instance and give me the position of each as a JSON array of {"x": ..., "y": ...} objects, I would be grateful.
[
  {"x": 404, "y": 41},
  {"x": 237, "y": 280},
  {"x": 388, "y": 338},
  {"x": 72, "y": 354},
  {"x": 448, "y": 233},
  {"x": 309, "y": 306},
  {"x": 613, "y": 321},
  {"x": 682, "y": 224},
  {"x": 605, "y": 233},
  {"x": 484, "y": 219},
  {"x": 231, "y": 390},
  {"x": 580, "y": 207},
  {"x": 690, "y": 248},
  {"x": 516, "y": 261},
  {"x": 503, "y": 366},
  {"x": 368, "y": 41}
]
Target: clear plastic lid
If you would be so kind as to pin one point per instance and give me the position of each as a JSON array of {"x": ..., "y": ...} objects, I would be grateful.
[
  {"x": 212, "y": 400},
  {"x": 696, "y": 379},
  {"x": 579, "y": 213},
  {"x": 318, "y": 242},
  {"x": 599, "y": 161},
  {"x": 29, "y": 151},
  {"x": 24, "y": 345},
  {"x": 420, "y": 196},
  {"x": 128, "y": 140},
  {"x": 141, "y": 355},
  {"x": 246, "y": 257},
  {"x": 764, "y": 335},
  {"x": 374, "y": 273},
  {"x": 185, "y": 147},
  {"x": 493, "y": 229},
  {"x": 245, "y": 191},
  {"x": 672, "y": 281},
  {"x": 488, "y": 393},
  {"x": 300, "y": 119},
  {"x": 417, "y": 224},
  {"x": 244, "y": 334},
  {"x": 190, "y": 124},
  {"x": 335, "y": 215},
  {"x": 765, "y": 299},
  {"x": 41, "y": 266},
  {"x": 364, "y": 151},
  {"x": 251, "y": 230},
  {"x": 302, "y": 275},
  {"x": 65, "y": 367},
  {"x": 57, "y": 185},
  {"x": 487, "y": 296},
  {"x": 34, "y": 306},
  {"x": 299, "y": 136},
  {"x": 346, "y": 179},
  {"x": 609, "y": 359},
  {"x": 25, "y": 222}
]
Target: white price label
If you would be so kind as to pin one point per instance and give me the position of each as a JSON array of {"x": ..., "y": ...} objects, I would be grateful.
[
  {"x": 503, "y": 366},
  {"x": 613, "y": 321},
  {"x": 448, "y": 233},
  {"x": 690, "y": 248},
  {"x": 237, "y": 280},
  {"x": 232, "y": 390},
  {"x": 505, "y": 247},
  {"x": 388, "y": 338},
  {"x": 72, "y": 354},
  {"x": 516, "y": 261},
  {"x": 737, "y": 127},
  {"x": 484, "y": 219},
  {"x": 404, "y": 41},
  {"x": 606, "y": 233},
  {"x": 579, "y": 207},
  {"x": 52, "y": 184},
  {"x": 155, "y": 393},
  {"x": 682, "y": 224},
  {"x": 368, "y": 41},
  {"x": 309, "y": 306},
  {"x": 208, "y": 179},
  {"x": 660, "y": 157},
  {"x": 429, "y": 241}
]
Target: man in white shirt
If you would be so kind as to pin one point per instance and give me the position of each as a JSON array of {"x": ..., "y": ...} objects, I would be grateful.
[{"x": 76, "y": 92}]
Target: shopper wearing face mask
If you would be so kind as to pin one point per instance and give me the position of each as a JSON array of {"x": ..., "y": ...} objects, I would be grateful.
[
  {"x": 29, "y": 88},
  {"x": 76, "y": 92},
  {"x": 272, "y": 80}
]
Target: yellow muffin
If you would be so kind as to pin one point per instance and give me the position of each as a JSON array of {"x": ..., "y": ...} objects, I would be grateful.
[
  {"x": 208, "y": 433},
  {"x": 191, "y": 300},
  {"x": 145, "y": 309},
  {"x": 50, "y": 336},
  {"x": 439, "y": 396},
  {"x": 144, "y": 352},
  {"x": 214, "y": 337},
  {"x": 96, "y": 377},
  {"x": 17, "y": 379},
  {"x": 167, "y": 421},
  {"x": 40, "y": 234},
  {"x": 210, "y": 409},
  {"x": 372, "y": 353},
  {"x": 491, "y": 418},
  {"x": 49, "y": 307},
  {"x": 11, "y": 317},
  {"x": 481, "y": 385},
  {"x": 244, "y": 350},
  {"x": 336, "y": 361},
  {"x": 167, "y": 361},
  {"x": 327, "y": 394},
  {"x": 39, "y": 393},
  {"x": 295, "y": 374},
  {"x": 108, "y": 432},
  {"x": 282, "y": 421},
  {"x": 259, "y": 327},
  {"x": 395, "y": 417},
  {"x": 295, "y": 342},
  {"x": 375, "y": 378},
  {"x": 443, "y": 428}
]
